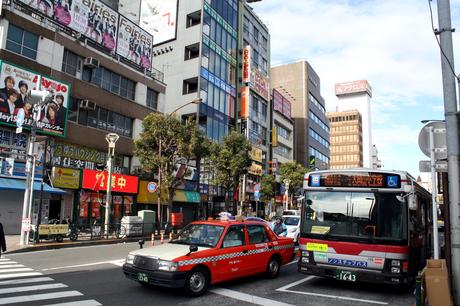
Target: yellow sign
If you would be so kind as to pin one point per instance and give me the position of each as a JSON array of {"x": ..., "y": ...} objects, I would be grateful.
[
  {"x": 320, "y": 229},
  {"x": 53, "y": 229},
  {"x": 319, "y": 247},
  {"x": 146, "y": 197},
  {"x": 65, "y": 178},
  {"x": 255, "y": 169},
  {"x": 256, "y": 154}
]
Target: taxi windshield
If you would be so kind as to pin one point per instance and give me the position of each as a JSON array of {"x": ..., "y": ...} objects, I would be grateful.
[{"x": 204, "y": 235}]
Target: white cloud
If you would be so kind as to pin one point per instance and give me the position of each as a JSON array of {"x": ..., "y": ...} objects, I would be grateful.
[{"x": 390, "y": 43}]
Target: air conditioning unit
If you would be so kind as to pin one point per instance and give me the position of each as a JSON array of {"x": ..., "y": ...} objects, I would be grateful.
[
  {"x": 87, "y": 105},
  {"x": 91, "y": 62}
]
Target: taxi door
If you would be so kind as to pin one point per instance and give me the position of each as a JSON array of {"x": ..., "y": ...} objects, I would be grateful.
[
  {"x": 260, "y": 248},
  {"x": 232, "y": 255}
]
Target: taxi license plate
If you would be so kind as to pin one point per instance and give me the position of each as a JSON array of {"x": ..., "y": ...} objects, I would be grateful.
[
  {"x": 348, "y": 276},
  {"x": 142, "y": 277}
]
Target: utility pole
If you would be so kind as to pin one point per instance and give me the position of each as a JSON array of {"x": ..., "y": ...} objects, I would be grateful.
[{"x": 450, "y": 109}]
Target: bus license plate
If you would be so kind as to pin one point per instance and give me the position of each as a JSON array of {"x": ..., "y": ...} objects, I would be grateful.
[
  {"x": 142, "y": 277},
  {"x": 345, "y": 276}
]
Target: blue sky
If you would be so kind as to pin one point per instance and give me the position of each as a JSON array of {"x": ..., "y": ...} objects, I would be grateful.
[{"x": 390, "y": 43}]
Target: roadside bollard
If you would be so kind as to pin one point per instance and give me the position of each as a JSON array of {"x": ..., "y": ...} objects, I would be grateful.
[
  {"x": 162, "y": 238},
  {"x": 141, "y": 243},
  {"x": 170, "y": 236},
  {"x": 152, "y": 240}
]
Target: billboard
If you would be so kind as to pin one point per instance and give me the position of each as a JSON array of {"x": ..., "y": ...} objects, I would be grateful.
[
  {"x": 159, "y": 18},
  {"x": 134, "y": 43},
  {"x": 260, "y": 84},
  {"x": 277, "y": 101},
  {"x": 97, "y": 180},
  {"x": 17, "y": 82},
  {"x": 247, "y": 64},
  {"x": 353, "y": 87}
]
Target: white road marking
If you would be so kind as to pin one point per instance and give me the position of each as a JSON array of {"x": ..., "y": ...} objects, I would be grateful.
[
  {"x": 119, "y": 262},
  {"x": 4, "y": 259},
  {"x": 15, "y": 270},
  {"x": 7, "y": 262},
  {"x": 26, "y": 281},
  {"x": 11, "y": 266},
  {"x": 78, "y": 303},
  {"x": 295, "y": 283},
  {"x": 303, "y": 280},
  {"x": 16, "y": 275},
  {"x": 38, "y": 297},
  {"x": 32, "y": 288},
  {"x": 66, "y": 249},
  {"x": 247, "y": 297},
  {"x": 84, "y": 265}
]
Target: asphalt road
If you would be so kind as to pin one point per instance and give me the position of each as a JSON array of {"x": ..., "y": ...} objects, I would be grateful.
[{"x": 90, "y": 276}]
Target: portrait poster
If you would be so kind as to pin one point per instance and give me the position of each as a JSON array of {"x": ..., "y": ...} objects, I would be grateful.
[{"x": 134, "y": 43}]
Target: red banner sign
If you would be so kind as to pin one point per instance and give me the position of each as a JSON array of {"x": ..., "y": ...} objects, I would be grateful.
[{"x": 97, "y": 180}]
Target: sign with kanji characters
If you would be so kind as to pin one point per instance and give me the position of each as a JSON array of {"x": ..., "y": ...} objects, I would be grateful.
[{"x": 97, "y": 180}]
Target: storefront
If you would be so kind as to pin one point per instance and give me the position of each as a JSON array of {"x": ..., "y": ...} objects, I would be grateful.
[{"x": 91, "y": 200}]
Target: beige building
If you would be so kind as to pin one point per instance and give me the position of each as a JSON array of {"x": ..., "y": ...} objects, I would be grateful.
[{"x": 346, "y": 140}]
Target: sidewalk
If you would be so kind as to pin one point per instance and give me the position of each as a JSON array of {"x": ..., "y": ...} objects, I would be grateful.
[{"x": 13, "y": 243}]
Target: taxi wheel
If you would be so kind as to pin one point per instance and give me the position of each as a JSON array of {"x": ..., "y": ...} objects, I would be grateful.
[
  {"x": 197, "y": 282},
  {"x": 273, "y": 268}
]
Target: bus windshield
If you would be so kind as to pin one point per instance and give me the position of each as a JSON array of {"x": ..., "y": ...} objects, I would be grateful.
[{"x": 355, "y": 216}]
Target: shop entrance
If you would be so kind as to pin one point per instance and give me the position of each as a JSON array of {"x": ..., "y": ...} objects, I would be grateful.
[{"x": 54, "y": 210}]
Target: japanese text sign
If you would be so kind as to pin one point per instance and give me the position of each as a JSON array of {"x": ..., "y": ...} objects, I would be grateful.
[{"x": 97, "y": 180}]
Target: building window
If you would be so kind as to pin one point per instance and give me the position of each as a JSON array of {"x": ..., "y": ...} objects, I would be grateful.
[
  {"x": 192, "y": 51},
  {"x": 190, "y": 86},
  {"x": 71, "y": 63},
  {"x": 21, "y": 42},
  {"x": 152, "y": 98},
  {"x": 256, "y": 35},
  {"x": 110, "y": 81},
  {"x": 193, "y": 19}
]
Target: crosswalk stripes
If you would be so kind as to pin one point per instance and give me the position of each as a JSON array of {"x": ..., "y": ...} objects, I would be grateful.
[{"x": 20, "y": 284}]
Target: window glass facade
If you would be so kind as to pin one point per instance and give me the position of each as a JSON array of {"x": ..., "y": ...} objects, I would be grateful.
[
  {"x": 100, "y": 118},
  {"x": 152, "y": 98},
  {"x": 110, "y": 81},
  {"x": 21, "y": 42},
  {"x": 218, "y": 71}
]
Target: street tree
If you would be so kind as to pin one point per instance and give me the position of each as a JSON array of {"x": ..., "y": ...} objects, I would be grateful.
[
  {"x": 267, "y": 187},
  {"x": 230, "y": 161},
  {"x": 292, "y": 173},
  {"x": 164, "y": 143}
]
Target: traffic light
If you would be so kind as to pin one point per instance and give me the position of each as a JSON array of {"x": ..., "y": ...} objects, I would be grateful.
[{"x": 312, "y": 162}]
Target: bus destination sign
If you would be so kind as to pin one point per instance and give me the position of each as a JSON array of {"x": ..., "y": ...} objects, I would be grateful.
[{"x": 355, "y": 180}]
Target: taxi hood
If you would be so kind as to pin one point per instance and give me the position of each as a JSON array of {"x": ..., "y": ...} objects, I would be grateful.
[{"x": 167, "y": 251}]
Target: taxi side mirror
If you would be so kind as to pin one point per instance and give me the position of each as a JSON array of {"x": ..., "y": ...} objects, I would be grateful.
[{"x": 192, "y": 248}]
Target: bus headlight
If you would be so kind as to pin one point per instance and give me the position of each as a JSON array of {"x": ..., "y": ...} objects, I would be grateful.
[
  {"x": 395, "y": 263},
  {"x": 395, "y": 270},
  {"x": 166, "y": 265},
  {"x": 130, "y": 259},
  {"x": 305, "y": 259}
]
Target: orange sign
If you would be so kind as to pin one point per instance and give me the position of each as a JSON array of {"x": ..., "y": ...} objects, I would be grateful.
[{"x": 97, "y": 180}]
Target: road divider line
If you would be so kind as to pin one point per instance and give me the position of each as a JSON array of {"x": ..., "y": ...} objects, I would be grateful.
[
  {"x": 32, "y": 288},
  {"x": 78, "y": 303},
  {"x": 247, "y": 297},
  {"x": 26, "y": 281},
  {"x": 334, "y": 297},
  {"x": 300, "y": 281},
  {"x": 83, "y": 265},
  {"x": 16, "y": 275},
  {"x": 39, "y": 297}
]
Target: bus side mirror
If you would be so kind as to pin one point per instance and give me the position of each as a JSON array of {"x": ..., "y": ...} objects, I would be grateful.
[
  {"x": 309, "y": 202},
  {"x": 412, "y": 202}
]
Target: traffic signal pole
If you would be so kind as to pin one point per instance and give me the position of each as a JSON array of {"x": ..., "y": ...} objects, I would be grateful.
[{"x": 450, "y": 110}]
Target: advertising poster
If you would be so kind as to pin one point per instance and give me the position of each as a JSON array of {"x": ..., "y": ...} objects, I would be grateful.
[
  {"x": 45, "y": 7},
  {"x": 134, "y": 43},
  {"x": 158, "y": 17},
  {"x": 15, "y": 83},
  {"x": 92, "y": 19},
  {"x": 277, "y": 101}
]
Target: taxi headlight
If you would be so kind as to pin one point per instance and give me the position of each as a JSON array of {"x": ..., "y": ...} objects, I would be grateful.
[
  {"x": 130, "y": 259},
  {"x": 166, "y": 265}
]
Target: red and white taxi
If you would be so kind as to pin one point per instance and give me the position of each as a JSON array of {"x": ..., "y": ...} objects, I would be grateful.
[{"x": 209, "y": 252}]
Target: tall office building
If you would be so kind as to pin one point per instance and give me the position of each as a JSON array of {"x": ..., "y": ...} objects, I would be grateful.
[
  {"x": 357, "y": 95},
  {"x": 346, "y": 139},
  {"x": 301, "y": 85}
]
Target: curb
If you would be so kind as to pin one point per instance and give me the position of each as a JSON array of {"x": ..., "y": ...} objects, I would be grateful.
[{"x": 65, "y": 245}]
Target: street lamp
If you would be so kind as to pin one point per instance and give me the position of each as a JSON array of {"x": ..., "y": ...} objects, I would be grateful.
[
  {"x": 196, "y": 101},
  {"x": 112, "y": 139}
]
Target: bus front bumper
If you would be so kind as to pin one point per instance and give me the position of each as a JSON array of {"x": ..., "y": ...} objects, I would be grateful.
[{"x": 361, "y": 274}]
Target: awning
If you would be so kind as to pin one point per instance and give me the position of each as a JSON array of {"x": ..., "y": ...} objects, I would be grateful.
[{"x": 17, "y": 184}]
